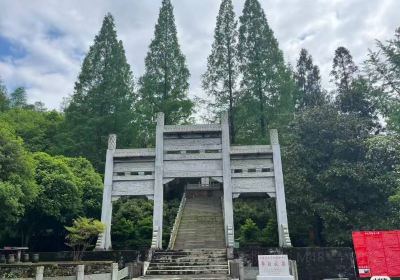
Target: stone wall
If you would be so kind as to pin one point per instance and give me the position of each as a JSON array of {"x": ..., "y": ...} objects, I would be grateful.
[
  {"x": 312, "y": 263},
  {"x": 115, "y": 256}
]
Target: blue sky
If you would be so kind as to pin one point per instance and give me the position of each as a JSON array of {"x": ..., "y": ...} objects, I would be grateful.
[{"x": 43, "y": 42}]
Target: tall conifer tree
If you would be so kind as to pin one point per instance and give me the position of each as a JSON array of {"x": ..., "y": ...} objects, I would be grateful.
[
  {"x": 266, "y": 81},
  {"x": 164, "y": 85},
  {"x": 308, "y": 81},
  {"x": 4, "y": 101},
  {"x": 18, "y": 98},
  {"x": 351, "y": 89},
  {"x": 220, "y": 79},
  {"x": 344, "y": 70},
  {"x": 103, "y": 98}
]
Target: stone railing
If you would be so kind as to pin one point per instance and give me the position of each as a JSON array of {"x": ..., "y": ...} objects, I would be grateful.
[
  {"x": 100, "y": 242},
  {"x": 154, "y": 239},
  {"x": 177, "y": 222},
  {"x": 286, "y": 237},
  {"x": 79, "y": 271}
]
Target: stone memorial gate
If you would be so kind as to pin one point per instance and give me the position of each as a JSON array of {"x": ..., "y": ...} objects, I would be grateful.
[{"x": 194, "y": 151}]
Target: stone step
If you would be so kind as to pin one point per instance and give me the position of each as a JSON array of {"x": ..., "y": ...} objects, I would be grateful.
[
  {"x": 195, "y": 246},
  {"x": 186, "y": 267},
  {"x": 206, "y": 251},
  {"x": 187, "y": 259},
  {"x": 211, "y": 231},
  {"x": 190, "y": 258},
  {"x": 189, "y": 263},
  {"x": 188, "y": 271},
  {"x": 207, "y": 241},
  {"x": 185, "y": 277},
  {"x": 209, "y": 223},
  {"x": 221, "y": 252}
]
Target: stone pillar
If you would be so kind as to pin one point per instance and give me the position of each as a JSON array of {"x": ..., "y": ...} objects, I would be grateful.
[
  {"x": 283, "y": 229},
  {"x": 114, "y": 271},
  {"x": 106, "y": 210},
  {"x": 80, "y": 272},
  {"x": 226, "y": 169},
  {"x": 39, "y": 273},
  {"x": 158, "y": 181}
]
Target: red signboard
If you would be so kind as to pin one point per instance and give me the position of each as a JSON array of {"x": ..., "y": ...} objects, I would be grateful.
[{"x": 377, "y": 253}]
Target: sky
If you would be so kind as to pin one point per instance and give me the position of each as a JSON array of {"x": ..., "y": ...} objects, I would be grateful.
[{"x": 43, "y": 42}]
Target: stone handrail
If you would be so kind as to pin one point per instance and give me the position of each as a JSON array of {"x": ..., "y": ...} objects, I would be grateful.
[{"x": 177, "y": 222}]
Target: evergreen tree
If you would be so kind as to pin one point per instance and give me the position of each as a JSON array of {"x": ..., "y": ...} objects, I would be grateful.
[
  {"x": 220, "y": 79},
  {"x": 344, "y": 70},
  {"x": 308, "y": 81},
  {"x": 266, "y": 81},
  {"x": 352, "y": 90},
  {"x": 383, "y": 70},
  {"x": 18, "y": 98},
  {"x": 164, "y": 85},
  {"x": 103, "y": 98},
  {"x": 4, "y": 102}
]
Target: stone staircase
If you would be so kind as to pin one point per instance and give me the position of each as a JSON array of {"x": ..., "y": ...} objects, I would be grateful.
[
  {"x": 189, "y": 264},
  {"x": 199, "y": 249},
  {"x": 202, "y": 224}
]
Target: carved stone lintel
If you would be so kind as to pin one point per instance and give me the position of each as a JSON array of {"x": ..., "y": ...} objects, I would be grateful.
[
  {"x": 112, "y": 141},
  {"x": 192, "y": 128}
]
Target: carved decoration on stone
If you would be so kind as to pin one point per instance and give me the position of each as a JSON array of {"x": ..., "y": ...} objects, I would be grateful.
[{"x": 112, "y": 142}]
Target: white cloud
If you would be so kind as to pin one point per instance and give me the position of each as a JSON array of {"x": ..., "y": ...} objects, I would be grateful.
[{"x": 52, "y": 63}]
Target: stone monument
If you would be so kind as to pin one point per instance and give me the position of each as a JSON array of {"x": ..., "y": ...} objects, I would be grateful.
[{"x": 273, "y": 267}]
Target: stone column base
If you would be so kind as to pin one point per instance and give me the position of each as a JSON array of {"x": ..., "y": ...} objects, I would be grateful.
[{"x": 289, "y": 277}]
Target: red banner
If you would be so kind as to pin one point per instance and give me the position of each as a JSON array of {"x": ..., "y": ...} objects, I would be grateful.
[{"x": 377, "y": 253}]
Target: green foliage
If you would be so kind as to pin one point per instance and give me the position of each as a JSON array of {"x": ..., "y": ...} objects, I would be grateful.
[
  {"x": 308, "y": 82},
  {"x": 132, "y": 223},
  {"x": 383, "y": 152},
  {"x": 39, "y": 129},
  {"x": 89, "y": 182},
  {"x": 329, "y": 175},
  {"x": 260, "y": 211},
  {"x": 164, "y": 85},
  {"x": 18, "y": 98},
  {"x": 170, "y": 210},
  {"x": 249, "y": 231},
  {"x": 59, "y": 193},
  {"x": 220, "y": 79},
  {"x": 383, "y": 71},
  {"x": 17, "y": 185},
  {"x": 266, "y": 84},
  {"x": 4, "y": 101},
  {"x": 103, "y": 99},
  {"x": 82, "y": 234},
  {"x": 351, "y": 89},
  {"x": 67, "y": 188}
]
